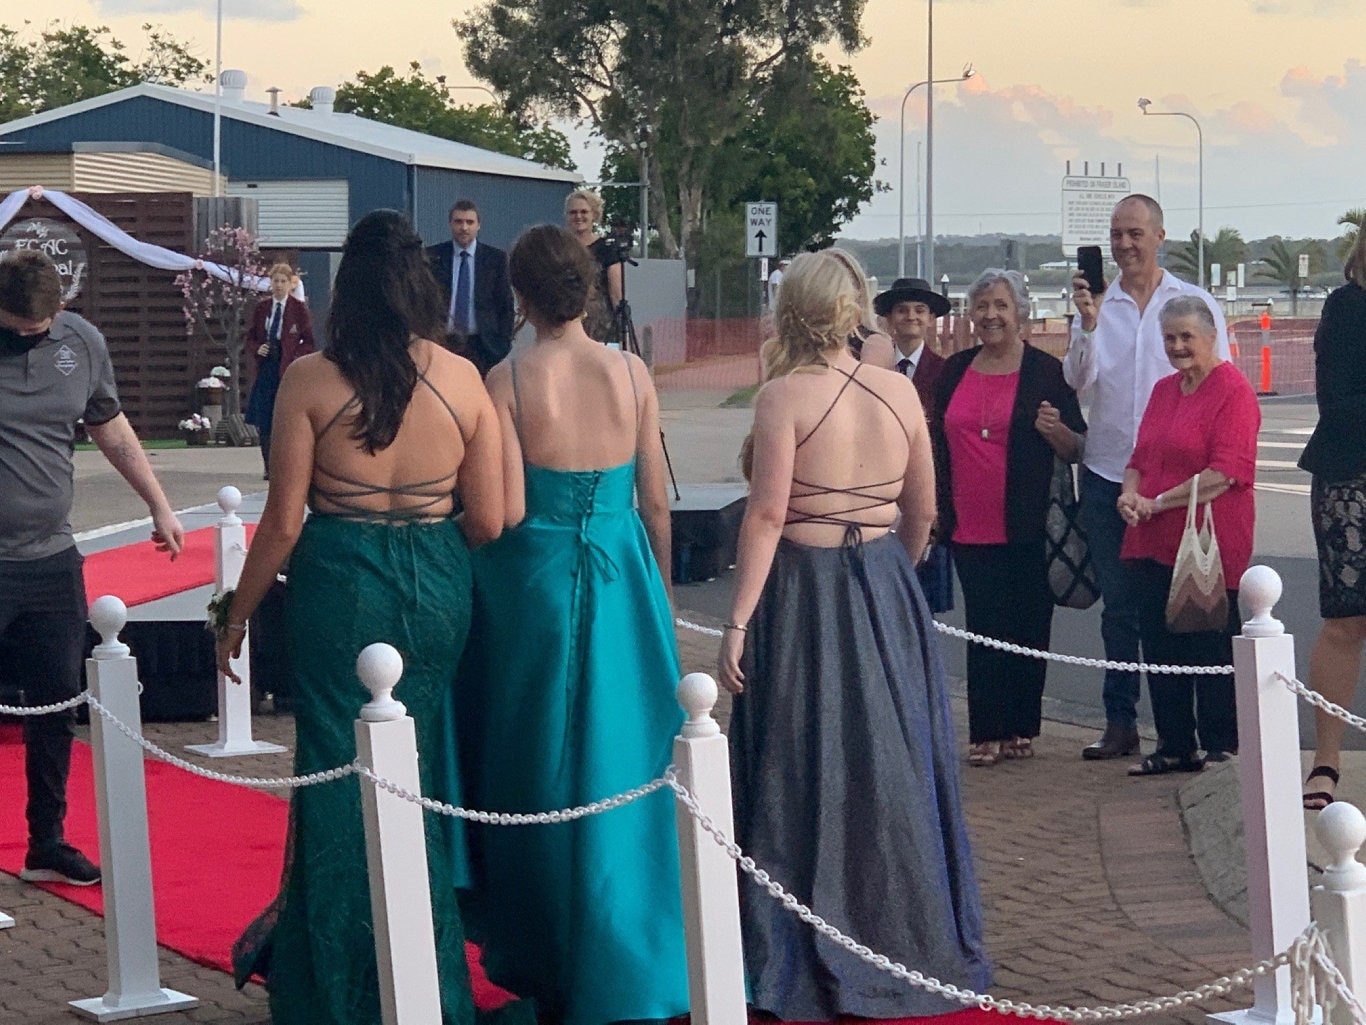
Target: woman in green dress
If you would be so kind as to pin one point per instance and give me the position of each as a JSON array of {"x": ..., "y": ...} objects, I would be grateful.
[
  {"x": 570, "y": 681},
  {"x": 377, "y": 435}
]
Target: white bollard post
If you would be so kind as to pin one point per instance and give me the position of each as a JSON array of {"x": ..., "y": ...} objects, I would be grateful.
[
  {"x": 711, "y": 893},
  {"x": 1269, "y": 773},
  {"x": 125, "y": 851},
  {"x": 1339, "y": 903},
  {"x": 396, "y": 848},
  {"x": 234, "y": 699}
]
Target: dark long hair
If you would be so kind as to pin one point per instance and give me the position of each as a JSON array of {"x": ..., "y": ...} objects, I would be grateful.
[{"x": 384, "y": 296}]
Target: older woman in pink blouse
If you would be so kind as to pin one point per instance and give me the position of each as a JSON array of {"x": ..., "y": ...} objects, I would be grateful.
[{"x": 1202, "y": 420}]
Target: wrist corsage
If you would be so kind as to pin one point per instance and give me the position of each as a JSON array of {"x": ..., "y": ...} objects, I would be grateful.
[{"x": 219, "y": 622}]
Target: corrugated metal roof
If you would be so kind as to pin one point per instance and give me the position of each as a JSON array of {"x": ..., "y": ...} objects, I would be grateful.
[{"x": 345, "y": 130}]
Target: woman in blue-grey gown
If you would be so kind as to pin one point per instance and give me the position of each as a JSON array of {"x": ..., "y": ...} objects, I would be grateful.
[
  {"x": 842, "y": 746},
  {"x": 569, "y": 686}
]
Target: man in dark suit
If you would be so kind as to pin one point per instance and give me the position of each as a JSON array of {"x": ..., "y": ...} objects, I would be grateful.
[
  {"x": 474, "y": 280},
  {"x": 909, "y": 309}
]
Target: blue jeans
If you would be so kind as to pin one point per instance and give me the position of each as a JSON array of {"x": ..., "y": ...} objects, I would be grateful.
[{"x": 1119, "y": 617}]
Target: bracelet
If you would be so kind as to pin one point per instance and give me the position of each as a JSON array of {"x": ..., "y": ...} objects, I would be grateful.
[
  {"x": 735, "y": 626},
  {"x": 236, "y": 627},
  {"x": 1159, "y": 501}
]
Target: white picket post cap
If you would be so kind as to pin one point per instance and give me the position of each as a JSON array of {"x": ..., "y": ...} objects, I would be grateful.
[
  {"x": 1258, "y": 592},
  {"x": 697, "y": 693},
  {"x": 1341, "y": 828},
  {"x": 108, "y": 615},
  {"x": 380, "y": 667},
  {"x": 229, "y": 500}
]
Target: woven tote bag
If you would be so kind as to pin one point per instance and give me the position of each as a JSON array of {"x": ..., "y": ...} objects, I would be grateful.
[
  {"x": 1198, "y": 599},
  {"x": 1071, "y": 577}
]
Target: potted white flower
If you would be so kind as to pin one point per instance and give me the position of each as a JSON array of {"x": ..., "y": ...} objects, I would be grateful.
[{"x": 196, "y": 429}]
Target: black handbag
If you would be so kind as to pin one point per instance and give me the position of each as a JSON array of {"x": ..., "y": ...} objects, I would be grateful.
[{"x": 1071, "y": 577}]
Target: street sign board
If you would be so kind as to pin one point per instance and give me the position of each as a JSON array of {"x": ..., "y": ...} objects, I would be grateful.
[
  {"x": 1087, "y": 203},
  {"x": 1304, "y": 266},
  {"x": 761, "y": 229}
]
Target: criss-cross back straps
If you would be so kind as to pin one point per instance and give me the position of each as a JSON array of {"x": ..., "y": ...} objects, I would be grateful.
[
  {"x": 426, "y": 493},
  {"x": 863, "y": 493}
]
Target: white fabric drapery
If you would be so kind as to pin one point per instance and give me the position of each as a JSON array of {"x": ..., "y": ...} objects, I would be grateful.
[{"x": 102, "y": 227}]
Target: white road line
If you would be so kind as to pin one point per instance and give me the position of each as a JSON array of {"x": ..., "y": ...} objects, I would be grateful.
[
  {"x": 146, "y": 521},
  {"x": 1282, "y": 489},
  {"x": 1281, "y": 444},
  {"x": 1276, "y": 464}
]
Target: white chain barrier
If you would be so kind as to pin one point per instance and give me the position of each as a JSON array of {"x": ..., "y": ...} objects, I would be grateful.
[
  {"x": 1316, "y": 699},
  {"x": 254, "y": 782},
  {"x": 495, "y": 818},
  {"x": 1315, "y": 979},
  {"x": 1019, "y": 649}
]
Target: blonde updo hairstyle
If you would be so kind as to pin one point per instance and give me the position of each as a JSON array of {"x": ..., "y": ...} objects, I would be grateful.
[{"x": 817, "y": 309}]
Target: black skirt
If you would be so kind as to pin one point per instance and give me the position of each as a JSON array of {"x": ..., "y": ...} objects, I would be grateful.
[{"x": 1339, "y": 512}]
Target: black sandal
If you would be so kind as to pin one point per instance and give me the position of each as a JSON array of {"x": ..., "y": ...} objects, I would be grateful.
[
  {"x": 1158, "y": 764},
  {"x": 1321, "y": 798}
]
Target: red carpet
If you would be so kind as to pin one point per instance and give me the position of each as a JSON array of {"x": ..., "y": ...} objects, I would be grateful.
[
  {"x": 138, "y": 573},
  {"x": 217, "y": 852}
]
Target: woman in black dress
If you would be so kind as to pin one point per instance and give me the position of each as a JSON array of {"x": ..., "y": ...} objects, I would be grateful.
[
  {"x": 582, "y": 212},
  {"x": 1336, "y": 456}
]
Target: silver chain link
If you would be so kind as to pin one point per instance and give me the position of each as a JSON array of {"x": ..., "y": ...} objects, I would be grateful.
[
  {"x": 1316, "y": 699},
  {"x": 254, "y": 782},
  {"x": 1019, "y": 649},
  {"x": 1309, "y": 946},
  {"x": 496, "y": 818},
  {"x": 60, "y": 706}
]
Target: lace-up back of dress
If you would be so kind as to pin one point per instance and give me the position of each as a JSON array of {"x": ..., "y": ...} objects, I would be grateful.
[
  {"x": 336, "y": 494},
  {"x": 865, "y": 505}
]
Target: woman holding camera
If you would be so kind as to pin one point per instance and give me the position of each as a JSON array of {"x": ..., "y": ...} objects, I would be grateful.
[{"x": 582, "y": 212}]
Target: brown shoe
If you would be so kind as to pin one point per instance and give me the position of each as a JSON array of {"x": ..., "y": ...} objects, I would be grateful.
[{"x": 1116, "y": 742}]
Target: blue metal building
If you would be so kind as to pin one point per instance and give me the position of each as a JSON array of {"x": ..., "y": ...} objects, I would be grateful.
[{"x": 314, "y": 171}]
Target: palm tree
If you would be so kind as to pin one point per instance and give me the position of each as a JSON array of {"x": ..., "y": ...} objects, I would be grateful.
[
  {"x": 1354, "y": 219},
  {"x": 1226, "y": 249},
  {"x": 1282, "y": 265}
]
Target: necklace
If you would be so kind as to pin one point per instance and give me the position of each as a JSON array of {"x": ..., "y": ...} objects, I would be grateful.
[{"x": 989, "y": 414}]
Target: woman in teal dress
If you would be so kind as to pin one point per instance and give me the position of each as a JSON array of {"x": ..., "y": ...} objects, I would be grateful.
[
  {"x": 377, "y": 435},
  {"x": 569, "y": 690}
]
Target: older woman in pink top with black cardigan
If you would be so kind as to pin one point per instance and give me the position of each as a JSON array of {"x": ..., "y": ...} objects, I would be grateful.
[
  {"x": 1002, "y": 412},
  {"x": 1203, "y": 420}
]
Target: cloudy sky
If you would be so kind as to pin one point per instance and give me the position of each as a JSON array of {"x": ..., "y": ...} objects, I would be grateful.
[{"x": 1279, "y": 87}]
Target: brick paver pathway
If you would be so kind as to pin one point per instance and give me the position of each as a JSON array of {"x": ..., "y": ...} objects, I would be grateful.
[{"x": 1090, "y": 893}]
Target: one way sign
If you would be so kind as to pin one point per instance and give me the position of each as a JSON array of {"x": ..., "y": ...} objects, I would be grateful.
[{"x": 761, "y": 229}]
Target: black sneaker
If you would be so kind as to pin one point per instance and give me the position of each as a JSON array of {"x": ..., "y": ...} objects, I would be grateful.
[{"x": 59, "y": 863}]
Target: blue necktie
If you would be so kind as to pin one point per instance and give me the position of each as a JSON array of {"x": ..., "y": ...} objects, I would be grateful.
[
  {"x": 905, "y": 366},
  {"x": 273, "y": 332},
  {"x": 460, "y": 314}
]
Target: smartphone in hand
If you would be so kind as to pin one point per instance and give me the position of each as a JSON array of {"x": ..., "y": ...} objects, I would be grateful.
[{"x": 1091, "y": 264}]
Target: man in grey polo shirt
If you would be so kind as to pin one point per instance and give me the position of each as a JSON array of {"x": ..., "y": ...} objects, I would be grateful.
[{"x": 54, "y": 371}]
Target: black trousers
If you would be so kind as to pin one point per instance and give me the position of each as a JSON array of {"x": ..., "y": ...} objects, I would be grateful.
[
  {"x": 42, "y": 635},
  {"x": 1005, "y": 596},
  {"x": 1187, "y": 702}
]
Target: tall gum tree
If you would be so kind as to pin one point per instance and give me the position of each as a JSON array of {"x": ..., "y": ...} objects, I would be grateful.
[{"x": 678, "y": 76}]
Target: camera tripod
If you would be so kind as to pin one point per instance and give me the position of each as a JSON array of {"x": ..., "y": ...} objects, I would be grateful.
[{"x": 624, "y": 337}]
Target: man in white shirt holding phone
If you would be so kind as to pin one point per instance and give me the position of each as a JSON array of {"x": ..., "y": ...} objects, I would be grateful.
[{"x": 1114, "y": 358}]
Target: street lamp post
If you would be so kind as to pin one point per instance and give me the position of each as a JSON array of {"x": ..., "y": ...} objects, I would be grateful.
[
  {"x": 1143, "y": 104},
  {"x": 968, "y": 72},
  {"x": 218, "y": 103}
]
